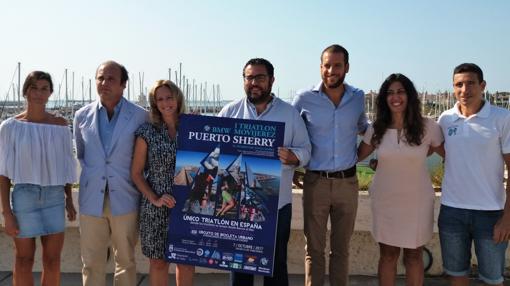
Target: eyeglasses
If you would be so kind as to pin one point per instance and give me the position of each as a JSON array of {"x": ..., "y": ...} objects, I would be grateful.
[{"x": 257, "y": 78}]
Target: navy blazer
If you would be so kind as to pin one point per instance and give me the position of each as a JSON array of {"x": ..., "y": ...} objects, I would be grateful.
[{"x": 98, "y": 167}]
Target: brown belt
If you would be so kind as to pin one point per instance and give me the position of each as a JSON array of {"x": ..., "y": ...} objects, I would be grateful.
[{"x": 347, "y": 173}]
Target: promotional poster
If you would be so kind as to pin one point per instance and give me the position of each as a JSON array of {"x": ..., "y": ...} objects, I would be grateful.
[{"x": 226, "y": 186}]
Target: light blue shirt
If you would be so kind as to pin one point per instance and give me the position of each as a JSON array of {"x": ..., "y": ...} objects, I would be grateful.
[
  {"x": 295, "y": 139},
  {"x": 106, "y": 126},
  {"x": 333, "y": 130}
]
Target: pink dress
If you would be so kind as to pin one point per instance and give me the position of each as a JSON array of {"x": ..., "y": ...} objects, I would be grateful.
[{"x": 402, "y": 197}]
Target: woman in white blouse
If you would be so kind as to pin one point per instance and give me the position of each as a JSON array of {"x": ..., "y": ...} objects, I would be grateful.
[{"x": 36, "y": 155}]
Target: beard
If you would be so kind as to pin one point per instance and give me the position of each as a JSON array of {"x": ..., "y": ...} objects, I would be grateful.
[
  {"x": 335, "y": 84},
  {"x": 265, "y": 96}
]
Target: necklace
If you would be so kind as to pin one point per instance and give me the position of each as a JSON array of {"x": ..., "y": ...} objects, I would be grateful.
[{"x": 399, "y": 135}]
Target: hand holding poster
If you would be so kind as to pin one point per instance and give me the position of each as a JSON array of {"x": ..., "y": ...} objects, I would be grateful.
[{"x": 226, "y": 188}]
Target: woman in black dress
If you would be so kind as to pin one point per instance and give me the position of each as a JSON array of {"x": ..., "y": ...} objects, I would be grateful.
[{"x": 152, "y": 172}]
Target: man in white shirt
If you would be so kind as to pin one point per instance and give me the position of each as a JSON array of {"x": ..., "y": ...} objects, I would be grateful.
[
  {"x": 261, "y": 104},
  {"x": 474, "y": 206}
]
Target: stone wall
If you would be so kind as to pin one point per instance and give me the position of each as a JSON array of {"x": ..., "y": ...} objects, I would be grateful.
[{"x": 363, "y": 258}]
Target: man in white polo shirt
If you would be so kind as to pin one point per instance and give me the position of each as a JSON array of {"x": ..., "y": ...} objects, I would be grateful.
[{"x": 474, "y": 206}]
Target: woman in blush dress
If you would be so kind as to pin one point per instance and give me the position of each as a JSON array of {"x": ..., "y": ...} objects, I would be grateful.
[
  {"x": 152, "y": 171},
  {"x": 402, "y": 197},
  {"x": 36, "y": 155}
]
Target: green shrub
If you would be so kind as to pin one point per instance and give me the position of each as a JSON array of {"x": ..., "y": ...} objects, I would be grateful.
[
  {"x": 365, "y": 176},
  {"x": 436, "y": 175}
]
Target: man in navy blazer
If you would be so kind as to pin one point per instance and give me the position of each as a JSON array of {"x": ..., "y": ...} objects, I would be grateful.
[{"x": 104, "y": 133}]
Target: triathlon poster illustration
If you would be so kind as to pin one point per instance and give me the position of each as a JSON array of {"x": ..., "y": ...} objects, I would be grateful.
[{"x": 226, "y": 186}]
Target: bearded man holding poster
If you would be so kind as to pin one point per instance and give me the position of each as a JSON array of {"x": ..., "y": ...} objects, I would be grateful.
[{"x": 261, "y": 104}]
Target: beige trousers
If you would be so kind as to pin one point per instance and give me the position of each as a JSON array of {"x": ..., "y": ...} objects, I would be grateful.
[
  {"x": 96, "y": 233},
  {"x": 323, "y": 198}
]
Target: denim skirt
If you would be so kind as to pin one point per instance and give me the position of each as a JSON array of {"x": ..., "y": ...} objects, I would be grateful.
[{"x": 38, "y": 210}]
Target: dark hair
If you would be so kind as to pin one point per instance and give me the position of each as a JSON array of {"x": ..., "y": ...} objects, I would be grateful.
[
  {"x": 124, "y": 76},
  {"x": 336, "y": 49},
  {"x": 35, "y": 76},
  {"x": 413, "y": 120},
  {"x": 469, "y": 67},
  {"x": 261, "y": 62}
]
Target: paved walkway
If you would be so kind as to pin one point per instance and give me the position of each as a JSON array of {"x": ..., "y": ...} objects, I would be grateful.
[{"x": 74, "y": 279}]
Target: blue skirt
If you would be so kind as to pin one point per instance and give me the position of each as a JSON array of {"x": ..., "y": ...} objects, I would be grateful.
[{"x": 38, "y": 210}]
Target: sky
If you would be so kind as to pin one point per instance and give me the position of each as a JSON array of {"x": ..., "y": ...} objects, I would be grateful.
[{"x": 213, "y": 40}]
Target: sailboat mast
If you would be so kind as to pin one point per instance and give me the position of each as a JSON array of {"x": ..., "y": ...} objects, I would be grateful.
[
  {"x": 82, "y": 91},
  {"x": 180, "y": 75},
  {"x": 67, "y": 95},
  {"x": 90, "y": 90},
  {"x": 19, "y": 85},
  {"x": 72, "y": 91}
]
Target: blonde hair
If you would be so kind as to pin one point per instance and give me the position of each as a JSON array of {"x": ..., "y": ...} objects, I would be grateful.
[{"x": 155, "y": 115}]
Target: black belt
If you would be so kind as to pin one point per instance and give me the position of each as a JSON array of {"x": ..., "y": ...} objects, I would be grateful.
[{"x": 347, "y": 173}]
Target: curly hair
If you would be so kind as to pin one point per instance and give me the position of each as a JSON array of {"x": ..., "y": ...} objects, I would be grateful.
[
  {"x": 155, "y": 115},
  {"x": 413, "y": 120}
]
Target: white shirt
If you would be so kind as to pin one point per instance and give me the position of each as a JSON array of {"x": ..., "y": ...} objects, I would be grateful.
[
  {"x": 295, "y": 139},
  {"x": 34, "y": 153},
  {"x": 474, "y": 164}
]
